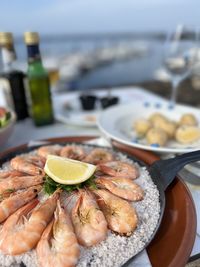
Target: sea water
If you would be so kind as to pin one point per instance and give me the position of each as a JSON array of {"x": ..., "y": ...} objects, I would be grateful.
[{"x": 131, "y": 70}]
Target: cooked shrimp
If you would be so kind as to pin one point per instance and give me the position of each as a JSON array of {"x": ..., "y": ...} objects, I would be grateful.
[
  {"x": 9, "y": 205},
  {"x": 32, "y": 165},
  {"x": 23, "y": 229},
  {"x": 36, "y": 160},
  {"x": 98, "y": 155},
  {"x": 119, "y": 169},
  {"x": 44, "y": 151},
  {"x": 72, "y": 152},
  {"x": 89, "y": 222},
  {"x": 6, "y": 194},
  {"x": 120, "y": 215},
  {"x": 121, "y": 187},
  {"x": 58, "y": 245},
  {"x": 22, "y": 182},
  {"x": 10, "y": 173}
]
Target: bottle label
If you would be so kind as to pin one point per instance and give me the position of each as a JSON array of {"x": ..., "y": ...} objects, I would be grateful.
[
  {"x": 28, "y": 95},
  {"x": 8, "y": 55},
  {"x": 33, "y": 52},
  {"x": 6, "y": 99}
]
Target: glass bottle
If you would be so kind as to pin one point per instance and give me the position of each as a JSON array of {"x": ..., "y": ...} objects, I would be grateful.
[
  {"x": 12, "y": 80},
  {"x": 38, "y": 83}
]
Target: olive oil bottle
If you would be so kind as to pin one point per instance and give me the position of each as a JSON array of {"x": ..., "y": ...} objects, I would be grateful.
[{"x": 38, "y": 83}]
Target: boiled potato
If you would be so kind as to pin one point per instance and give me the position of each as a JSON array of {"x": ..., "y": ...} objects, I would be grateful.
[
  {"x": 142, "y": 126},
  {"x": 168, "y": 126},
  {"x": 158, "y": 129},
  {"x": 160, "y": 121},
  {"x": 188, "y": 119},
  {"x": 157, "y": 117},
  {"x": 187, "y": 134},
  {"x": 157, "y": 137}
]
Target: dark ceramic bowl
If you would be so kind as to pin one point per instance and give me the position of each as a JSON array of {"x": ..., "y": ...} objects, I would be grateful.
[
  {"x": 109, "y": 101},
  {"x": 88, "y": 102}
]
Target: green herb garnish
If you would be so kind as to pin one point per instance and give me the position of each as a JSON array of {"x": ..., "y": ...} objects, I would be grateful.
[
  {"x": 5, "y": 119},
  {"x": 9, "y": 190},
  {"x": 8, "y": 115},
  {"x": 6, "y": 193},
  {"x": 50, "y": 186}
]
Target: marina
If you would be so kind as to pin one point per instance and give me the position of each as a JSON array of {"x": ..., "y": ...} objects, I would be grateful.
[{"x": 97, "y": 61}]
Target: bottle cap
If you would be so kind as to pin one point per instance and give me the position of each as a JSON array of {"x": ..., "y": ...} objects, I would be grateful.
[
  {"x": 6, "y": 38},
  {"x": 31, "y": 38}
]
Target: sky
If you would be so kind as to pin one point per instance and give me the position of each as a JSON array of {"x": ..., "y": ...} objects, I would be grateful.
[{"x": 97, "y": 16}]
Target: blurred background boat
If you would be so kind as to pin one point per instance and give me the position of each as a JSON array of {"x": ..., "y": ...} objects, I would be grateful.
[
  {"x": 83, "y": 47},
  {"x": 88, "y": 61}
]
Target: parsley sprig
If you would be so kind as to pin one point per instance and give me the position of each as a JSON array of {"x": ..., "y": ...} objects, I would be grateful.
[{"x": 50, "y": 186}]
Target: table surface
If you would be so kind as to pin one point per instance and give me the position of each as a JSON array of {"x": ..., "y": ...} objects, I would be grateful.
[
  {"x": 58, "y": 129},
  {"x": 25, "y": 131}
]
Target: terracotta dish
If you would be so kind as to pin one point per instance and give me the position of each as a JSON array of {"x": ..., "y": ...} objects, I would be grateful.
[{"x": 173, "y": 242}]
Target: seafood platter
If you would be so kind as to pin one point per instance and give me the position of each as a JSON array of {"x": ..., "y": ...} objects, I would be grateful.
[{"x": 75, "y": 205}]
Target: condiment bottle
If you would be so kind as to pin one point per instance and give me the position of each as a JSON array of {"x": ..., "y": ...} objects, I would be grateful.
[
  {"x": 38, "y": 83},
  {"x": 12, "y": 89}
]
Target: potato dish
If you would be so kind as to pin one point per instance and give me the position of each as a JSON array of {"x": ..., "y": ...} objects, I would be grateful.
[{"x": 157, "y": 129}]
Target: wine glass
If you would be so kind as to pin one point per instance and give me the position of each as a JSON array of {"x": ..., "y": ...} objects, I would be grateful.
[{"x": 180, "y": 57}]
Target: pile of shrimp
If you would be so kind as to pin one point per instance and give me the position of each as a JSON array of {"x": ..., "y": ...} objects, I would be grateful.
[{"x": 57, "y": 231}]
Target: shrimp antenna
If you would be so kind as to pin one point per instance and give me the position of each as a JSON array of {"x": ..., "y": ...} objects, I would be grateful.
[
  {"x": 100, "y": 197},
  {"x": 69, "y": 198},
  {"x": 88, "y": 191}
]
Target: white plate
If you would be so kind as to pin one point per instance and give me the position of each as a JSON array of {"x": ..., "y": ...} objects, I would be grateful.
[
  {"x": 83, "y": 119},
  {"x": 68, "y": 110},
  {"x": 116, "y": 123}
]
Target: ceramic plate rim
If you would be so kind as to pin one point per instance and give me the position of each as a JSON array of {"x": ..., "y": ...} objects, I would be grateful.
[{"x": 108, "y": 134}]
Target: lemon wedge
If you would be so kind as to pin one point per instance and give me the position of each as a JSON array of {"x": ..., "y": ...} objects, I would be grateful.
[{"x": 68, "y": 171}]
